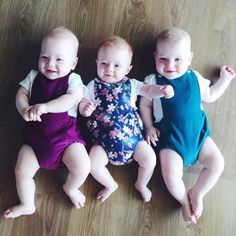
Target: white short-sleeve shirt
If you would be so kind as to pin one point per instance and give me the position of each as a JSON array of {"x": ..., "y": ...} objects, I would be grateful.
[{"x": 74, "y": 82}]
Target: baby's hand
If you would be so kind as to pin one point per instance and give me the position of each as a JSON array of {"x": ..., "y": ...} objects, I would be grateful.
[
  {"x": 36, "y": 111},
  {"x": 88, "y": 109},
  {"x": 29, "y": 116},
  {"x": 167, "y": 91},
  {"x": 227, "y": 72},
  {"x": 152, "y": 135},
  {"x": 26, "y": 115}
]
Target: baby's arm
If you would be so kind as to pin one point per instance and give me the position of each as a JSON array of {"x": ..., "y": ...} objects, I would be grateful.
[
  {"x": 217, "y": 89},
  {"x": 86, "y": 107},
  {"x": 152, "y": 91},
  {"x": 61, "y": 104},
  {"x": 22, "y": 104},
  {"x": 145, "y": 109}
]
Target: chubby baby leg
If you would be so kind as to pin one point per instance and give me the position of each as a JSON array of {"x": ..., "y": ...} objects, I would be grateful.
[
  {"x": 77, "y": 161},
  {"x": 146, "y": 158},
  {"x": 213, "y": 166},
  {"x": 26, "y": 167},
  {"x": 172, "y": 171},
  {"x": 99, "y": 160}
]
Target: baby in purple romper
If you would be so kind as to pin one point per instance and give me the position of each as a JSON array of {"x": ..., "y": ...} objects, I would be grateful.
[
  {"x": 47, "y": 101},
  {"x": 113, "y": 122}
]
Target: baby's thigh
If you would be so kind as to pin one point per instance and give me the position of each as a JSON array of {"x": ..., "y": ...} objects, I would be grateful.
[{"x": 171, "y": 163}]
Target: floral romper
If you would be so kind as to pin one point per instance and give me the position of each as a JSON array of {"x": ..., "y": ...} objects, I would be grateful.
[{"x": 115, "y": 124}]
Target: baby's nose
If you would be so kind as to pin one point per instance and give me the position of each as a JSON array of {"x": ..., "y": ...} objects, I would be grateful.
[
  {"x": 51, "y": 64},
  {"x": 109, "y": 67},
  {"x": 170, "y": 64}
]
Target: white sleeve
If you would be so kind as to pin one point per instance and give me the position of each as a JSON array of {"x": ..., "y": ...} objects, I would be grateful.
[
  {"x": 136, "y": 87},
  {"x": 90, "y": 91},
  {"x": 76, "y": 82},
  {"x": 150, "y": 79},
  {"x": 157, "y": 107},
  {"x": 28, "y": 81},
  {"x": 204, "y": 84}
]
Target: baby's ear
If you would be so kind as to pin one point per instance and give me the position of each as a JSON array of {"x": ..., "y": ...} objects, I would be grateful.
[
  {"x": 75, "y": 63},
  {"x": 190, "y": 57},
  {"x": 129, "y": 69}
]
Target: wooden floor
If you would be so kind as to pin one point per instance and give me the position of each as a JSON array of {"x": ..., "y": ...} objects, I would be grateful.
[{"x": 212, "y": 27}]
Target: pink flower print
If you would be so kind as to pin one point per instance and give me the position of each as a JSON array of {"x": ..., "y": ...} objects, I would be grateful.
[
  {"x": 121, "y": 118},
  {"x": 95, "y": 124},
  {"x": 127, "y": 130},
  {"x": 105, "y": 91},
  {"x": 121, "y": 136},
  {"x": 96, "y": 133},
  {"x": 117, "y": 90},
  {"x": 98, "y": 101},
  {"x": 132, "y": 122},
  {"x": 112, "y": 155},
  {"x": 130, "y": 145},
  {"x": 114, "y": 133},
  {"x": 110, "y": 108},
  {"x": 106, "y": 119},
  {"x": 109, "y": 97},
  {"x": 128, "y": 155}
]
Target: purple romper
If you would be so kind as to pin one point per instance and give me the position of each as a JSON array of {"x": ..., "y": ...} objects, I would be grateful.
[{"x": 50, "y": 137}]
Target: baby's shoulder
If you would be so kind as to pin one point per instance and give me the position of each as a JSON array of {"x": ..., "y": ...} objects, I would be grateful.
[
  {"x": 32, "y": 74},
  {"x": 150, "y": 79}
]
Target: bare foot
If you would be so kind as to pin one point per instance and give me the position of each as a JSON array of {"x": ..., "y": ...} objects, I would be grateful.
[
  {"x": 187, "y": 214},
  {"x": 196, "y": 203},
  {"x": 19, "y": 210},
  {"x": 144, "y": 191},
  {"x": 77, "y": 198},
  {"x": 106, "y": 192}
]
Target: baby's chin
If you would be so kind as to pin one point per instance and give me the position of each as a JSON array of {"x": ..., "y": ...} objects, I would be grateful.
[{"x": 172, "y": 75}]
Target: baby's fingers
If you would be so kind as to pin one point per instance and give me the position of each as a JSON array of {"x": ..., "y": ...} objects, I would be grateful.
[{"x": 167, "y": 91}]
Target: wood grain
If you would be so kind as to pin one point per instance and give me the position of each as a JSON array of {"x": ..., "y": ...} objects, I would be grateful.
[{"x": 212, "y": 27}]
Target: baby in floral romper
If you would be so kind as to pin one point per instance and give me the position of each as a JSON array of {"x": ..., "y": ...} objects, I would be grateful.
[{"x": 113, "y": 122}]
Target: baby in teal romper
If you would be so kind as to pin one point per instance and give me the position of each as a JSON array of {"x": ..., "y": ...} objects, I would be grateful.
[{"x": 180, "y": 125}]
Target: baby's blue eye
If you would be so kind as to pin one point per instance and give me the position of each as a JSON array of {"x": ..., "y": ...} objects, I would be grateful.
[
  {"x": 43, "y": 57},
  {"x": 162, "y": 59},
  {"x": 116, "y": 65},
  {"x": 59, "y": 59},
  {"x": 177, "y": 59}
]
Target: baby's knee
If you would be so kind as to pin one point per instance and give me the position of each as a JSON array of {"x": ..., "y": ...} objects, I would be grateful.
[
  {"x": 216, "y": 163},
  {"x": 220, "y": 163},
  {"x": 82, "y": 168},
  {"x": 19, "y": 173}
]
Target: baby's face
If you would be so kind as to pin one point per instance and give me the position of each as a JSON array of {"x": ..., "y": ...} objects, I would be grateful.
[
  {"x": 57, "y": 57},
  {"x": 113, "y": 63},
  {"x": 173, "y": 58}
]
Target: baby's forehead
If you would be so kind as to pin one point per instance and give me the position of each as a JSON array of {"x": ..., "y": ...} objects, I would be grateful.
[
  {"x": 116, "y": 47},
  {"x": 65, "y": 41},
  {"x": 185, "y": 42}
]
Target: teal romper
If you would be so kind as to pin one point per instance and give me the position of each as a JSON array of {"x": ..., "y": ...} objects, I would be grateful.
[{"x": 184, "y": 125}]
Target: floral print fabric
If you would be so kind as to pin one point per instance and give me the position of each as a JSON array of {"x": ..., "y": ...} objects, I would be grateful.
[{"x": 115, "y": 125}]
